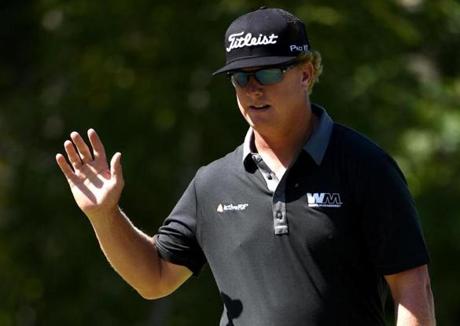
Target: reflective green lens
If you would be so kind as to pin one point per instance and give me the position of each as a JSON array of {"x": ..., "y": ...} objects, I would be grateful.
[
  {"x": 240, "y": 78},
  {"x": 263, "y": 76},
  {"x": 269, "y": 76}
]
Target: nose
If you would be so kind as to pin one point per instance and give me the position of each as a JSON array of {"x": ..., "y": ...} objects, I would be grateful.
[{"x": 253, "y": 87}]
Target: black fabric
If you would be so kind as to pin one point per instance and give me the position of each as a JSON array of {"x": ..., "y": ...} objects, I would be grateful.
[{"x": 351, "y": 221}]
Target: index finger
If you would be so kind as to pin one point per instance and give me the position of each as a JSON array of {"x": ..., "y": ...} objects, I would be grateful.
[
  {"x": 65, "y": 168},
  {"x": 98, "y": 147}
]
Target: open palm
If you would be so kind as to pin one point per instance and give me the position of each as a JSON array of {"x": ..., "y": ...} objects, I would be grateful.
[{"x": 95, "y": 186}]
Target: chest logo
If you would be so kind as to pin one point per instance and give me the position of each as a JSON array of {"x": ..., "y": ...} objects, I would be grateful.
[
  {"x": 231, "y": 207},
  {"x": 324, "y": 199}
]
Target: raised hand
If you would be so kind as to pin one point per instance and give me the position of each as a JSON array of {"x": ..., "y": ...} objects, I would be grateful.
[{"x": 95, "y": 186}]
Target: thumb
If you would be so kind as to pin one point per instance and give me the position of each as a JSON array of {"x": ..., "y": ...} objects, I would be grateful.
[{"x": 115, "y": 167}]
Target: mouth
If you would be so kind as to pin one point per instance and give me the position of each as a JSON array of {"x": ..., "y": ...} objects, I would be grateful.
[{"x": 259, "y": 107}]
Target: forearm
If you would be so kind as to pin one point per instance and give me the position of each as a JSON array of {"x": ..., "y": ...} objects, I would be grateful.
[
  {"x": 131, "y": 252},
  {"x": 417, "y": 310},
  {"x": 412, "y": 296}
]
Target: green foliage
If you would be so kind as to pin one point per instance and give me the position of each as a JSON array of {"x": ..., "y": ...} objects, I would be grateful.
[{"x": 139, "y": 73}]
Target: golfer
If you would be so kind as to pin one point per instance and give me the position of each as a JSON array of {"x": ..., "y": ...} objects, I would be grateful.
[{"x": 306, "y": 223}]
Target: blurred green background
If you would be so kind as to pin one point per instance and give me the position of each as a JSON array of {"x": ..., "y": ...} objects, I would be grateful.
[{"x": 139, "y": 73}]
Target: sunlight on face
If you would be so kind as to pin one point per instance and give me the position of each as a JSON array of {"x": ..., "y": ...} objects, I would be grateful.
[{"x": 278, "y": 107}]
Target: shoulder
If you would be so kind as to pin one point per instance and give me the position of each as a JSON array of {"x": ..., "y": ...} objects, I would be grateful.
[
  {"x": 360, "y": 153},
  {"x": 355, "y": 145},
  {"x": 218, "y": 170}
]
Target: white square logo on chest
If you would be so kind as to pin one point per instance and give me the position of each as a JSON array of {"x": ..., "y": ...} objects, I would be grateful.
[{"x": 324, "y": 199}]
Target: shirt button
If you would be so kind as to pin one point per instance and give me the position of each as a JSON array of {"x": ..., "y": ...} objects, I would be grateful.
[
  {"x": 296, "y": 185},
  {"x": 269, "y": 176},
  {"x": 279, "y": 215}
]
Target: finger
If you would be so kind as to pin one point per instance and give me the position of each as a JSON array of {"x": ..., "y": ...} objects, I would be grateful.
[
  {"x": 72, "y": 154},
  {"x": 65, "y": 168},
  {"x": 115, "y": 167},
  {"x": 83, "y": 149},
  {"x": 98, "y": 147}
]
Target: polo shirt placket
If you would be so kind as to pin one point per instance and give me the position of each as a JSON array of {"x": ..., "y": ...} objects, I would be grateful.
[{"x": 278, "y": 189}]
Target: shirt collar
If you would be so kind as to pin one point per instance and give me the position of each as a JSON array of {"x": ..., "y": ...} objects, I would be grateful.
[{"x": 316, "y": 144}]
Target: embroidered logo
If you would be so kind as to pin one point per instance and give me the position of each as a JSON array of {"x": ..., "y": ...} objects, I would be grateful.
[
  {"x": 298, "y": 48},
  {"x": 239, "y": 207},
  {"x": 237, "y": 40},
  {"x": 324, "y": 199}
]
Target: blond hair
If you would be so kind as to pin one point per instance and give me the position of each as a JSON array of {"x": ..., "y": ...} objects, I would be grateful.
[{"x": 315, "y": 58}]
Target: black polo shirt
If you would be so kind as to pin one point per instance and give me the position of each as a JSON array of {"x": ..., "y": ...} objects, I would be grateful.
[{"x": 309, "y": 249}]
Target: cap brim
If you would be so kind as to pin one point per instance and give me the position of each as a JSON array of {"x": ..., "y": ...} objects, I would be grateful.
[{"x": 254, "y": 62}]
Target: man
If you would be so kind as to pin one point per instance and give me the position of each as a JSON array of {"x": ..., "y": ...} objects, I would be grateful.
[{"x": 303, "y": 224}]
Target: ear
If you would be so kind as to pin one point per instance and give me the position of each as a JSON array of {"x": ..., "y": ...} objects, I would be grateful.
[{"x": 306, "y": 73}]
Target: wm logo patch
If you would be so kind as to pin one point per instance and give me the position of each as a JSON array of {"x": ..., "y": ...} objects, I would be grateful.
[{"x": 324, "y": 199}]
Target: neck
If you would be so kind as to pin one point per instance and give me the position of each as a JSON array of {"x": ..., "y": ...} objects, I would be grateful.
[{"x": 280, "y": 147}]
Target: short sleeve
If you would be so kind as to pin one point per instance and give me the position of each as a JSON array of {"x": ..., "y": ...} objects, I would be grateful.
[
  {"x": 176, "y": 239},
  {"x": 389, "y": 219}
]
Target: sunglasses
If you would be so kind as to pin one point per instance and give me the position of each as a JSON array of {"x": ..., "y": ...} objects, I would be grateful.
[{"x": 264, "y": 76}]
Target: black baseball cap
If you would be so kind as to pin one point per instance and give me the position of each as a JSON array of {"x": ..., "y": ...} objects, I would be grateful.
[{"x": 264, "y": 37}]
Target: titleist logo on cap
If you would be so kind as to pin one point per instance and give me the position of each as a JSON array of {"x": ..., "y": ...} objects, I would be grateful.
[{"x": 237, "y": 40}]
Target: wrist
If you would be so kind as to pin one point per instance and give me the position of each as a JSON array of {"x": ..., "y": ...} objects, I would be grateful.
[{"x": 105, "y": 216}]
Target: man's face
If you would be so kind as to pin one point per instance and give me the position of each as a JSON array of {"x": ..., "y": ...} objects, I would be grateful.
[{"x": 276, "y": 108}]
